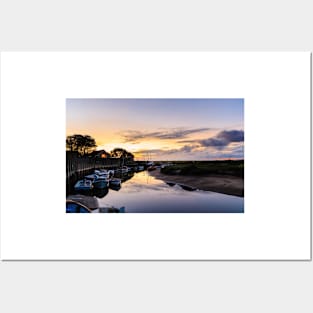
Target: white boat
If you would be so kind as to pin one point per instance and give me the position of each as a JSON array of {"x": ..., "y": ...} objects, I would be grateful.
[
  {"x": 84, "y": 184},
  {"x": 91, "y": 177},
  {"x": 124, "y": 169},
  {"x": 101, "y": 172}
]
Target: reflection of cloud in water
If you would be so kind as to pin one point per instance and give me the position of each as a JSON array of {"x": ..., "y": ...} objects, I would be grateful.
[
  {"x": 135, "y": 187},
  {"x": 144, "y": 193},
  {"x": 154, "y": 185}
]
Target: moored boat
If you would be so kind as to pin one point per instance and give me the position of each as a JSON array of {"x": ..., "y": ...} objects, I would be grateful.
[
  {"x": 151, "y": 168},
  {"x": 115, "y": 182},
  {"x": 101, "y": 172},
  {"x": 111, "y": 209},
  {"x": 84, "y": 184},
  {"x": 101, "y": 182},
  {"x": 110, "y": 173},
  {"x": 73, "y": 206},
  {"x": 91, "y": 177},
  {"x": 76, "y": 207},
  {"x": 123, "y": 170}
]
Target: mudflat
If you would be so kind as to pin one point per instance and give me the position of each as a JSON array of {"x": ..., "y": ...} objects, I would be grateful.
[{"x": 225, "y": 184}]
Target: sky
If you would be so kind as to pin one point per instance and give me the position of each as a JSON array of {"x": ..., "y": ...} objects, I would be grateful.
[{"x": 162, "y": 129}]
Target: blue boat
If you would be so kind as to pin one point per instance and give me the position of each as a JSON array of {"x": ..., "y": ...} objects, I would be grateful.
[
  {"x": 101, "y": 182},
  {"x": 84, "y": 184},
  {"x": 76, "y": 207}
]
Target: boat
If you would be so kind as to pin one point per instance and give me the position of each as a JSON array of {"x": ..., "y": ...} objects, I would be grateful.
[
  {"x": 151, "y": 168},
  {"x": 76, "y": 207},
  {"x": 110, "y": 209},
  {"x": 110, "y": 173},
  {"x": 101, "y": 172},
  {"x": 90, "y": 202},
  {"x": 140, "y": 168},
  {"x": 73, "y": 206},
  {"x": 101, "y": 182},
  {"x": 91, "y": 177},
  {"x": 115, "y": 182},
  {"x": 123, "y": 170},
  {"x": 84, "y": 184}
]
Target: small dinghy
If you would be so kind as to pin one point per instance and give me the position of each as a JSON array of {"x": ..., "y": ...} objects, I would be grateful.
[{"x": 84, "y": 184}]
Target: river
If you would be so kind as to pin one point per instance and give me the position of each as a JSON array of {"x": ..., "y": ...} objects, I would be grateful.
[{"x": 142, "y": 193}]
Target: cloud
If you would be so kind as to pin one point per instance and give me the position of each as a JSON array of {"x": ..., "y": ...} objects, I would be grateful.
[
  {"x": 150, "y": 151},
  {"x": 231, "y": 135},
  {"x": 213, "y": 142},
  {"x": 176, "y": 133},
  {"x": 227, "y": 138},
  {"x": 226, "y": 144},
  {"x": 184, "y": 149},
  {"x": 223, "y": 138}
]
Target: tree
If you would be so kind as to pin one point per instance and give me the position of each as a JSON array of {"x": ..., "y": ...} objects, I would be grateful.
[
  {"x": 70, "y": 143},
  {"x": 121, "y": 153},
  {"x": 89, "y": 144},
  {"x": 80, "y": 144}
]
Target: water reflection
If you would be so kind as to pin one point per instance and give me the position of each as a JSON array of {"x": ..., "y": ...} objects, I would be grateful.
[
  {"x": 100, "y": 193},
  {"x": 115, "y": 187},
  {"x": 142, "y": 193}
]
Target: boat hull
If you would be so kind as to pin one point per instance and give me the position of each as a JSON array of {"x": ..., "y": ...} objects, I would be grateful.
[{"x": 101, "y": 183}]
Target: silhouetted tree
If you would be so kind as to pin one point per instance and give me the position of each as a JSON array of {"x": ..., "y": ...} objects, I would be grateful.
[
  {"x": 80, "y": 144},
  {"x": 70, "y": 143},
  {"x": 121, "y": 153}
]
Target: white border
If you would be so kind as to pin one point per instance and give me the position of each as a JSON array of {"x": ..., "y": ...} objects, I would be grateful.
[{"x": 276, "y": 89}]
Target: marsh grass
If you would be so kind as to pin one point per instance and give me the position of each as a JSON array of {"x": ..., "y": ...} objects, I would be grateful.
[{"x": 199, "y": 168}]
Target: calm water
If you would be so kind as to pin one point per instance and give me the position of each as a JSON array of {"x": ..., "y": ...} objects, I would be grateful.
[{"x": 143, "y": 193}]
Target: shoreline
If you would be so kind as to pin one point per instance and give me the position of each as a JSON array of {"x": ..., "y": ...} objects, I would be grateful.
[{"x": 225, "y": 184}]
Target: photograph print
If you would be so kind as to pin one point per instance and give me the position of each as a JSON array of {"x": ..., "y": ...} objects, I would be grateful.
[{"x": 155, "y": 155}]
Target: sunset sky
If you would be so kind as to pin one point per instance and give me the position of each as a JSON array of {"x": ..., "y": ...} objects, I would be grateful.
[{"x": 162, "y": 129}]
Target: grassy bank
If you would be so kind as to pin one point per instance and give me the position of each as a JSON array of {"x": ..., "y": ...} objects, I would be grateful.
[{"x": 202, "y": 168}]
